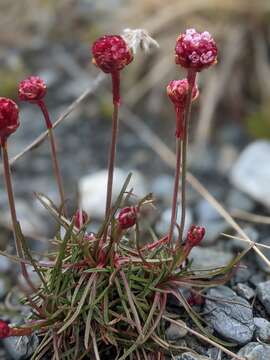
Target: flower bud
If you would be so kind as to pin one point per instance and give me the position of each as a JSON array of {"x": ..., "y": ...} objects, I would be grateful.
[
  {"x": 195, "y": 299},
  {"x": 9, "y": 118},
  {"x": 195, "y": 235},
  {"x": 111, "y": 53},
  {"x": 32, "y": 89},
  {"x": 127, "y": 217},
  {"x": 195, "y": 50},
  {"x": 5, "y": 330},
  {"x": 80, "y": 218},
  {"x": 177, "y": 90}
]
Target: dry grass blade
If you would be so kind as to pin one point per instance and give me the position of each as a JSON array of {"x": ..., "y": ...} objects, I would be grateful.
[{"x": 247, "y": 216}]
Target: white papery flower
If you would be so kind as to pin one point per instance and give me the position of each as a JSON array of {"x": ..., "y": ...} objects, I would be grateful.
[{"x": 136, "y": 38}]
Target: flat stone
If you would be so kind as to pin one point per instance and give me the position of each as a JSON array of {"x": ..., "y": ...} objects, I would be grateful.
[
  {"x": 262, "y": 329},
  {"x": 5, "y": 264},
  {"x": 206, "y": 212},
  {"x": 251, "y": 172},
  {"x": 237, "y": 200},
  {"x": 163, "y": 225},
  {"x": 233, "y": 320},
  {"x": 210, "y": 257},
  {"x": 263, "y": 291},
  {"x": 263, "y": 266},
  {"x": 174, "y": 332},
  {"x": 213, "y": 230},
  {"x": 162, "y": 187},
  {"x": 242, "y": 275},
  {"x": 245, "y": 291},
  {"x": 255, "y": 351},
  {"x": 190, "y": 356},
  {"x": 92, "y": 189},
  {"x": 243, "y": 245},
  {"x": 20, "y": 348}
]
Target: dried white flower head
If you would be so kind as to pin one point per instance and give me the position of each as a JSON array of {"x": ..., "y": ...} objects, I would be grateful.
[{"x": 139, "y": 38}]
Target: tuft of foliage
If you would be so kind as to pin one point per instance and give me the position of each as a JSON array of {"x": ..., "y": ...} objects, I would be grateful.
[{"x": 110, "y": 296}]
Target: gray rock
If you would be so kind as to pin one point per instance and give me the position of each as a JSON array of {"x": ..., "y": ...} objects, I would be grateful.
[
  {"x": 32, "y": 275},
  {"x": 92, "y": 189},
  {"x": 251, "y": 172},
  {"x": 262, "y": 329},
  {"x": 5, "y": 264},
  {"x": 232, "y": 320},
  {"x": 4, "y": 286},
  {"x": 256, "y": 278},
  {"x": 162, "y": 187},
  {"x": 213, "y": 230},
  {"x": 21, "y": 348},
  {"x": 255, "y": 351},
  {"x": 239, "y": 201},
  {"x": 30, "y": 221},
  {"x": 243, "y": 245},
  {"x": 227, "y": 157},
  {"x": 206, "y": 212},
  {"x": 191, "y": 356},
  {"x": 163, "y": 225},
  {"x": 214, "y": 353},
  {"x": 263, "y": 291},
  {"x": 211, "y": 219},
  {"x": 209, "y": 257},
  {"x": 262, "y": 265},
  {"x": 242, "y": 275},
  {"x": 245, "y": 291},
  {"x": 174, "y": 332}
]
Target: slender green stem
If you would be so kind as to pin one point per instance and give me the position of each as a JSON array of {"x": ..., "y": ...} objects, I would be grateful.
[
  {"x": 15, "y": 223},
  {"x": 56, "y": 167},
  {"x": 191, "y": 81}
]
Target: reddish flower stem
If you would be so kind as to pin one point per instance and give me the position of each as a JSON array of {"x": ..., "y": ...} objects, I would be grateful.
[
  {"x": 175, "y": 191},
  {"x": 56, "y": 167},
  {"x": 112, "y": 150},
  {"x": 15, "y": 223},
  {"x": 191, "y": 80}
]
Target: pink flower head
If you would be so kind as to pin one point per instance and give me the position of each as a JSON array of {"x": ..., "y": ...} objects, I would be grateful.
[
  {"x": 111, "y": 53},
  {"x": 5, "y": 330},
  {"x": 9, "y": 117},
  {"x": 32, "y": 89},
  {"x": 195, "y": 235},
  {"x": 127, "y": 217},
  {"x": 177, "y": 91},
  {"x": 195, "y": 50},
  {"x": 80, "y": 218}
]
